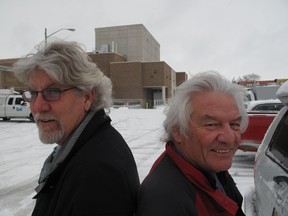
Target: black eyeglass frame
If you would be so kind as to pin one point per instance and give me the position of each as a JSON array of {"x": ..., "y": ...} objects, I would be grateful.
[{"x": 49, "y": 94}]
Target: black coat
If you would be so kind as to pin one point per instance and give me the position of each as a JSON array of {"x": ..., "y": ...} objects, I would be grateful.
[
  {"x": 99, "y": 176},
  {"x": 175, "y": 187}
]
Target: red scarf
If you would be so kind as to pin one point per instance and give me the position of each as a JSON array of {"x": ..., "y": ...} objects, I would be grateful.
[{"x": 200, "y": 181}]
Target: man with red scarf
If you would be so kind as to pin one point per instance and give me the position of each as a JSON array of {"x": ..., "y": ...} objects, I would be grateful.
[{"x": 202, "y": 133}]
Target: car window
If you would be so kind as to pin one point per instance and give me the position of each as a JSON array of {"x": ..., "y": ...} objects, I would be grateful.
[
  {"x": 10, "y": 101},
  {"x": 18, "y": 101},
  {"x": 279, "y": 145},
  {"x": 279, "y": 106},
  {"x": 270, "y": 107}
]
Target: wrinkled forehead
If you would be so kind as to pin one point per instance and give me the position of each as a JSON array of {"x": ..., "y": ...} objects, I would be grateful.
[{"x": 210, "y": 101}]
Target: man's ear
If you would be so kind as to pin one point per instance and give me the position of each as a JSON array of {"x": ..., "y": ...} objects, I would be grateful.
[
  {"x": 176, "y": 135},
  {"x": 89, "y": 98}
]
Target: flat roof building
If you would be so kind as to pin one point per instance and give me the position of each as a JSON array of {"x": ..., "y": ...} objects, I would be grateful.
[
  {"x": 130, "y": 57},
  {"x": 134, "y": 42}
]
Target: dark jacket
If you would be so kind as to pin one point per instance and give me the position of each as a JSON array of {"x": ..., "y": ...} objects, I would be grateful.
[
  {"x": 175, "y": 187},
  {"x": 99, "y": 176}
]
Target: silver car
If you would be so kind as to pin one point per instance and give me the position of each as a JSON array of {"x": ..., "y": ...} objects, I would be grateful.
[
  {"x": 264, "y": 105},
  {"x": 270, "y": 194}
]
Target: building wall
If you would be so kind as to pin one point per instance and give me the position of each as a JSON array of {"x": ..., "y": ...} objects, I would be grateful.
[
  {"x": 127, "y": 80},
  {"x": 103, "y": 61},
  {"x": 159, "y": 74},
  {"x": 8, "y": 62},
  {"x": 153, "y": 74},
  {"x": 9, "y": 81},
  {"x": 181, "y": 77},
  {"x": 7, "y": 78},
  {"x": 133, "y": 41},
  {"x": 143, "y": 81}
]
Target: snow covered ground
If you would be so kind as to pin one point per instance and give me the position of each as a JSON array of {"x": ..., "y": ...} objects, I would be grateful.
[{"x": 22, "y": 155}]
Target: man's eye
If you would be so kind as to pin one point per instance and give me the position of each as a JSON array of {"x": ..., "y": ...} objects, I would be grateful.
[
  {"x": 211, "y": 125},
  {"x": 235, "y": 125}
]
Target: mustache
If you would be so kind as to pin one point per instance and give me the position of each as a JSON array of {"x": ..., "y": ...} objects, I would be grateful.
[{"x": 44, "y": 117}]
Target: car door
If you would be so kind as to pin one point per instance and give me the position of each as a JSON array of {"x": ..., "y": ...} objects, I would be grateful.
[
  {"x": 2, "y": 105},
  {"x": 271, "y": 168}
]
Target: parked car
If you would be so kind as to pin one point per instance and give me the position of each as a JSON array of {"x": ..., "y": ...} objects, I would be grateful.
[
  {"x": 269, "y": 197},
  {"x": 264, "y": 105},
  {"x": 261, "y": 113}
]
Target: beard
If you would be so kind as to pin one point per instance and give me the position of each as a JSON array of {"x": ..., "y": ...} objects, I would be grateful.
[{"x": 46, "y": 134}]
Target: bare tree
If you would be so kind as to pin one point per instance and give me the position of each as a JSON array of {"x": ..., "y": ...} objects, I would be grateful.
[{"x": 251, "y": 77}]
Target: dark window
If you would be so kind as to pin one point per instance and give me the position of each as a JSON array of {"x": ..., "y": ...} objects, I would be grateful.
[
  {"x": 10, "y": 101},
  {"x": 279, "y": 144},
  {"x": 18, "y": 101},
  {"x": 269, "y": 107},
  {"x": 279, "y": 106}
]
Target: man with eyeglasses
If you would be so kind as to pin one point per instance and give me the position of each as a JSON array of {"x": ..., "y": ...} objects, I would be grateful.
[{"x": 92, "y": 170}]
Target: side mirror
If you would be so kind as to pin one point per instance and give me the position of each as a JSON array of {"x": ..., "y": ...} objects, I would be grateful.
[{"x": 23, "y": 103}]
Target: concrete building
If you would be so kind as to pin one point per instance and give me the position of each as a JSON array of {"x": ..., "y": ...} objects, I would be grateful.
[
  {"x": 134, "y": 42},
  {"x": 142, "y": 78},
  {"x": 145, "y": 83},
  {"x": 130, "y": 57}
]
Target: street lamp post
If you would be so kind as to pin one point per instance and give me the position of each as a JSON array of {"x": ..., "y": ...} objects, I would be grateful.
[{"x": 47, "y": 36}]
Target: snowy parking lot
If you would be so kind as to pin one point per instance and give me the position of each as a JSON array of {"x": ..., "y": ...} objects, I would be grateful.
[{"x": 22, "y": 155}]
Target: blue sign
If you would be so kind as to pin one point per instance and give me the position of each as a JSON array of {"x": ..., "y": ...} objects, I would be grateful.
[{"x": 18, "y": 109}]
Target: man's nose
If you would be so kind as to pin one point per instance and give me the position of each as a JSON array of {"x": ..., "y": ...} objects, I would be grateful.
[{"x": 227, "y": 135}]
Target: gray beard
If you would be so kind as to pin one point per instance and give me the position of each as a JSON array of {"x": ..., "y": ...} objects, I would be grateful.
[
  {"x": 45, "y": 134},
  {"x": 47, "y": 137}
]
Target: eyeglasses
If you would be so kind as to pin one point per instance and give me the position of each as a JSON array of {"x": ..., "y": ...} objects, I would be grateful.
[{"x": 47, "y": 94}]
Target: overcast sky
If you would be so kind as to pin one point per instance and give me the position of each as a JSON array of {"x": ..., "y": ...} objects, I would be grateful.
[{"x": 234, "y": 37}]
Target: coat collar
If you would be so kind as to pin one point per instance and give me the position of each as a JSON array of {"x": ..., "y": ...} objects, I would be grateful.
[
  {"x": 76, "y": 141},
  {"x": 202, "y": 180}
]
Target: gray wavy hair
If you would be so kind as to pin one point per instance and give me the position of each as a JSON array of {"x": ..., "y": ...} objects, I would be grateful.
[
  {"x": 180, "y": 107},
  {"x": 67, "y": 64}
]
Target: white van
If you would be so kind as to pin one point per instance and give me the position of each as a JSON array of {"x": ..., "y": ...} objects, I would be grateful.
[{"x": 12, "y": 105}]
